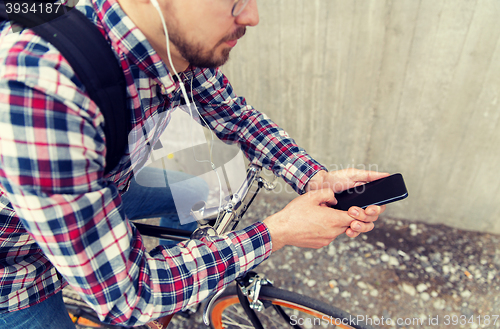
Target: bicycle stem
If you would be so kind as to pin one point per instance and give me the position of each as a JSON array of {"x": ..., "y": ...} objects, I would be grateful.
[{"x": 231, "y": 213}]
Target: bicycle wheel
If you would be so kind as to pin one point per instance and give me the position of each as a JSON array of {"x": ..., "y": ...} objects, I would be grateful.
[
  {"x": 82, "y": 315},
  {"x": 299, "y": 312}
]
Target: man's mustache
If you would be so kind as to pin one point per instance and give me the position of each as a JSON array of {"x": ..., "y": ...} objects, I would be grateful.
[{"x": 240, "y": 32}]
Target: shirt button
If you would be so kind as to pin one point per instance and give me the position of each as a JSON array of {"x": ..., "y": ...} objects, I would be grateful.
[{"x": 163, "y": 89}]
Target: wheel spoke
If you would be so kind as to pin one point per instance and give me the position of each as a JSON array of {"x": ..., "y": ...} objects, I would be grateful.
[
  {"x": 229, "y": 321},
  {"x": 226, "y": 320}
]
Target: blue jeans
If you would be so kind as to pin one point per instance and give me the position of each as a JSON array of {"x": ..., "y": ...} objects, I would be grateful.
[
  {"x": 169, "y": 195},
  {"x": 51, "y": 313}
]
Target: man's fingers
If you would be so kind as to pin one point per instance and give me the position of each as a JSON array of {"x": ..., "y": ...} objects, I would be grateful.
[
  {"x": 361, "y": 227},
  {"x": 363, "y": 219},
  {"x": 369, "y": 176},
  {"x": 357, "y": 213},
  {"x": 366, "y": 214},
  {"x": 374, "y": 210},
  {"x": 323, "y": 196},
  {"x": 350, "y": 233}
]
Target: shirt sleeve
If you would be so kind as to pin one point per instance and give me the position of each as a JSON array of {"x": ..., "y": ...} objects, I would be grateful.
[
  {"x": 262, "y": 140},
  {"x": 51, "y": 165}
]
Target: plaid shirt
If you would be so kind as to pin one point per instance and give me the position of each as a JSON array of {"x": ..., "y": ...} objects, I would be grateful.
[{"x": 58, "y": 211}]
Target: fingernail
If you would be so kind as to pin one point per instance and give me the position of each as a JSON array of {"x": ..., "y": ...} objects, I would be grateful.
[
  {"x": 354, "y": 212},
  {"x": 357, "y": 226}
]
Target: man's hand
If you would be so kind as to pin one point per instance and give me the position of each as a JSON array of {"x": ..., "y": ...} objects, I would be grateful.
[
  {"x": 341, "y": 180},
  {"x": 309, "y": 222}
]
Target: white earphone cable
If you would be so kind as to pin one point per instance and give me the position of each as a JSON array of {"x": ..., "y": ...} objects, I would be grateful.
[{"x": 186, "y": 98}]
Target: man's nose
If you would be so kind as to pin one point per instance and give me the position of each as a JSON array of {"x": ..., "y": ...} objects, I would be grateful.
[{"x": 250, "y": 15}]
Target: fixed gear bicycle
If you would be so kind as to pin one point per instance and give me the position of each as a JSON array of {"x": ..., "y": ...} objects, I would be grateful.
[{"x": 253, "y": 302}]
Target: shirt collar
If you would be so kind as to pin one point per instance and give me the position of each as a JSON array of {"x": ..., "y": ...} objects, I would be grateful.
[{"x": 129, "y": 41}]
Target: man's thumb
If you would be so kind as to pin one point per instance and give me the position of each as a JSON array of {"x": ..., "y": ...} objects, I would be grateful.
[{"x": 323, "y": 196}]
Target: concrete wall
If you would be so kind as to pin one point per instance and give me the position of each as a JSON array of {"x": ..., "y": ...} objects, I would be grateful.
[{"x": 400, "y": 86}]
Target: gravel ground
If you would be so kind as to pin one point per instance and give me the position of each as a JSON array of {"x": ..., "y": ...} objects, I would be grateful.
[{"x": 400, "y": 275}]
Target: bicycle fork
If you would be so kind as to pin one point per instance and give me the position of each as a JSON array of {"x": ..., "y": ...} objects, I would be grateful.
[{"x": 249, "y": 288}]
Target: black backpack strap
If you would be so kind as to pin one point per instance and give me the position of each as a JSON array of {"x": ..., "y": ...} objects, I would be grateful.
[{"x": 91, "y": 57}]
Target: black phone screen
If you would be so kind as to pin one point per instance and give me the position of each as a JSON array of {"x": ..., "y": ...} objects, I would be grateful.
[{"x": 382, "y": 191}]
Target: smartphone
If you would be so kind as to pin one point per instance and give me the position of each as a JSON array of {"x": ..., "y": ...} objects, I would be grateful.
[{"x": 378, "y": 192}]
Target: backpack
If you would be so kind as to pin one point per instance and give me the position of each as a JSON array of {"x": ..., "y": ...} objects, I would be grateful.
[{"x": 91, "y": 57}]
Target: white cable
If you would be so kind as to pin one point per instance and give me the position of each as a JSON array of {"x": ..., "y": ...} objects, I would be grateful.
[
  {"x": 186, "y": 98},
  {"x": 211, "y": 147}
]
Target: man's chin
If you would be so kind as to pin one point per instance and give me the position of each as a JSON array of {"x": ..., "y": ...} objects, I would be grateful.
[{"x": 211, "y": 63}]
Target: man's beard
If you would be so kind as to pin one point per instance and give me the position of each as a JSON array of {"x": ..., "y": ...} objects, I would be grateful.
[{"x": 195, "y": 54}]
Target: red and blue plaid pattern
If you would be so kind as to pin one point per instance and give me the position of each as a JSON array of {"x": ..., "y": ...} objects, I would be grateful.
[{"x": 58, "y": 211}]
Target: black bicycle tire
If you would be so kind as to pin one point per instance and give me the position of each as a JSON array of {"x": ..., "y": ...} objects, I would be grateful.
[{"x": 270, "y": 292}]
